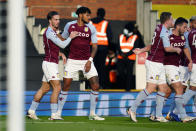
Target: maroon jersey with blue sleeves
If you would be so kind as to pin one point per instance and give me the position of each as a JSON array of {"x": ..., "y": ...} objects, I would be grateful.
[
  {"x": 173, "y": 58},
  {"x": 80, "y": 45}
]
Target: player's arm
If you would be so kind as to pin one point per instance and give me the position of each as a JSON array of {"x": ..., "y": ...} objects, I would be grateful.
[
  {"x": 167, "y": 46},
  {"x": 94, "y": 49},
  {"x": 60, "y": 37},
  {"x": 54, "y": 38},
  {"x": 145, "y": 49},
  {"x": 136, "y": 45},
  {"x": 63, "y": 57},
  {"x": 188, "y": 55}
]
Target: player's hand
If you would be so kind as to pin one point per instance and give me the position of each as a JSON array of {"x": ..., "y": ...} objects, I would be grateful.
[
  {"x": 73, "y": 34},
  {"x": 87, "y": 66},
  {"x": 190, "y": 66},
  {"x": 63, "y": 57},
  {"x": 178, "y": 50},
  {"x": 137, "y": 51}
]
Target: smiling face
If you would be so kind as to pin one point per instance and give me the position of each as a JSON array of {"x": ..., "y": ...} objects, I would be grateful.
[
  {"x": 182, "y": 28},
  {"x": 54, "y": 22},
  {"x": 170, "y": 22},
  {"x": 85, "y": 17},
  {"x": 194, "y": 24}
]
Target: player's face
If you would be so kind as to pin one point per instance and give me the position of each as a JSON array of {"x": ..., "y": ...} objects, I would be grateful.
[
  {"x": 170, "y": 22},
  {"x": 183, "y": 28},
  {"x": 86, "y": 17},
  {"x": 55, "y": 21},
  {"x": 194, "y": 24}
]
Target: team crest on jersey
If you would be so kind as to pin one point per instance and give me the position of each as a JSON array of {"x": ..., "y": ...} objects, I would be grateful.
[
  {"x": 65, "y": 73},
  {"x": 157, "y": 77},
  {"x": 177, "y": 77},
  {"x": 182, "y": 37},
  {"x": 86, "y": 29},
  {"x": 58, "y": 76}
]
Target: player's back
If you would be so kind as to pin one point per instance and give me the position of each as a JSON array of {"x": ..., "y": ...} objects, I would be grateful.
[
  {"x": 192, "y": 44},
  {"x": 157, "y": 50},
  {"x": 51, "y": 49}
]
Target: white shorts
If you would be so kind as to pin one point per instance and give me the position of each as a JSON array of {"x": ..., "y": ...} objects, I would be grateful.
[
  {"x": 50, "y": 70},
  {"x": 155, "y": 72},
  {"x": 184, "y": 75},
  {"x": 172, "y": 74},
  {"x": 73, "y": 66},
  {"x": 193, "y": 76}
]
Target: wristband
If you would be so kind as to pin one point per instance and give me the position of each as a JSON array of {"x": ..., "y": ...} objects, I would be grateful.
[{"x": 90, "y": 59}]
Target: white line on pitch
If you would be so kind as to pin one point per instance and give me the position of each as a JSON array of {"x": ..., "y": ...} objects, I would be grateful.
[{"x": 54, "y": 122}]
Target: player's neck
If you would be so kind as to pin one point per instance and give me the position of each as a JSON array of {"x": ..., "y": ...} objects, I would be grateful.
[
  {"x": 53, "y": 28},
  {"x": 176, "y": 32},
  {"x": 80, "y": 22},
  {"x": 166, "y": 26}
]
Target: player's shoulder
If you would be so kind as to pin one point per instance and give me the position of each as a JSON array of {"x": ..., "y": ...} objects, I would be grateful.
[
  {"x": 164, "y": 31},
  {"x": 71, "y": 23},
  {"x": 49, "y": 31},
  {"x": 193, "y": 31},
  {"x": 186, "y": 34},
  {"x": 91, "y": 26}
]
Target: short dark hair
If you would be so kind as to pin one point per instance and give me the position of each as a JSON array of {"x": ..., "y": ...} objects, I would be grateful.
[
  {"x": 83, "y": 10},
  {"x": 165, "y": 16},
  {"x": 192, "y": 18},
  {"x": 101, "y": 12},
  {"x": 180, "y": 21},
  {"x": 51, "y": 14}
]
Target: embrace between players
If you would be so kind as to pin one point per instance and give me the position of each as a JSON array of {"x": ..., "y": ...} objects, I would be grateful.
[{"x": 162, "y": 64}]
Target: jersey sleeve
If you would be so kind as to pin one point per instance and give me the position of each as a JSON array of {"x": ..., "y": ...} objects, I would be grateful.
[
  {"x": 65, "y": 33},
  {"x": 187, "y": 42},
  {"x": 51, "y": 35},
  {"x": 94, "y": 34},
  {"x": 165, "y": 38}
]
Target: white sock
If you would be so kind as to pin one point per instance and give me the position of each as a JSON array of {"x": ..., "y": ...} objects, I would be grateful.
[
  {"x": 93, "y": 101},
  {"x": 160, "y": 99},
  {"x": 62, "y": 100},
  {"x": 187, "y": 95},
  {"x": 179, "y": 106},
  {"x": 53, "y": 107},
  {"x": 34, "y": 105},
  {"x": 140, "y": 98}
]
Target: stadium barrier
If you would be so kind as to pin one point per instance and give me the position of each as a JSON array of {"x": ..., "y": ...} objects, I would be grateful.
[{"x": 109, "y": 104}]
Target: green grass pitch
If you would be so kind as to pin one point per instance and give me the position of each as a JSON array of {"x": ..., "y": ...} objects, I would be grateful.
[{"x": 76, "y": 123}]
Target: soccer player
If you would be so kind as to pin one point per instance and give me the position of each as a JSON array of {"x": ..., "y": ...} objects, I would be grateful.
[
  {"x": 80, "y": 58},
  {"x": 50, "y": 66},
  {"x": 171, "y": 62},
  {"x": 155, "y": 70},
  {"x": 192, "y": 43},
  {"x": 184, "y": 77},
  {"x": 184, "y": 73}
]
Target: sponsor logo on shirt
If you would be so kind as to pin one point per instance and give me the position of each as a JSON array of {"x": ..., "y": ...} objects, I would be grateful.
[{"x": 83, "y": 34}]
